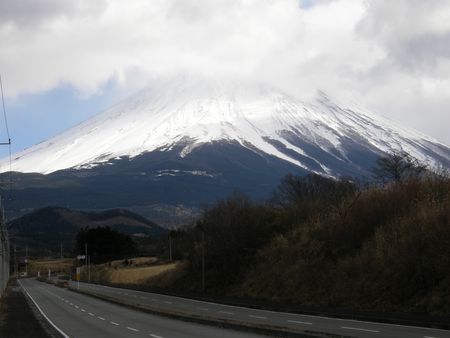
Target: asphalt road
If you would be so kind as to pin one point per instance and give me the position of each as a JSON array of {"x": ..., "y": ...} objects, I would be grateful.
[
  {"x": 77, "y": 315},
  {"x": 295, "y": 322}
]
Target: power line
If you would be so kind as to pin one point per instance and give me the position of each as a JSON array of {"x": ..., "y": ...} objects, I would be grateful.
[
  {"x": 9, "y": 138},
  {"x": 4, "y": 113}
]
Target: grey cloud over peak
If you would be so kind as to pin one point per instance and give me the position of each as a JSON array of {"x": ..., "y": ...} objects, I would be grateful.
[{"x": 394, "y": 56}]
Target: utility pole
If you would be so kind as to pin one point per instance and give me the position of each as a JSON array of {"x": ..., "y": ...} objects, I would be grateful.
[
  {"x": 85, "y": 255},
  {"x": 60, "y": 258},
  {"x": 15, "y": 259},
  {"x": 170, "y": 246},
  {"x": 203, "y": 261}
]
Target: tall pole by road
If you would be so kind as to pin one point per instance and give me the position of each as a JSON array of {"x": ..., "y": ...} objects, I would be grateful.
[
  {"x": 26, "y": 261},
  {"x": 15, "y": 259},
  {"x": 203, "y": 261},
  {"x": 86, "y": 255},
  {"x": 170, "y": 246}
]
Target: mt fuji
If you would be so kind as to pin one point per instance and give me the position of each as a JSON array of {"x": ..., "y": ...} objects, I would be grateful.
[
  {"x": 321, "y": 136},
  {"x": 188, "y": 142}
]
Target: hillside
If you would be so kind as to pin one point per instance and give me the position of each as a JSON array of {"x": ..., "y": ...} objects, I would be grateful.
[
  {"x": 327, "y": 245},
  {"x": 44, "y": 229}
]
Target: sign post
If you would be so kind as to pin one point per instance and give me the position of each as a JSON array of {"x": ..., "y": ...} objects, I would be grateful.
[{"x": 77, "y": 277}]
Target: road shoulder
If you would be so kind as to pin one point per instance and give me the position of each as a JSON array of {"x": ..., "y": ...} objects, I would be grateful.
[{"x": 18, "y": 317}]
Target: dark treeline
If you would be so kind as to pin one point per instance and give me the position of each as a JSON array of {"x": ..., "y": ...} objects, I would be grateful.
[
  {"x": 328, "y": 243},
  {"x": 104, "y": 244}
]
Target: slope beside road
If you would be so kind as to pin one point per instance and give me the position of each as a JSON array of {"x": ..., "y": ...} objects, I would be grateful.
[
  {"x": 77, "y": 315},
  {"x": 280, "y": 321}
]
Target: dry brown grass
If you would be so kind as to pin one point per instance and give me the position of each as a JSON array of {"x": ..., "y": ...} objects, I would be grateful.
[
  {"x": 43, "y": 265},
  {"x": 137, "y": 270},
  {"x": 139, "y": 275}
]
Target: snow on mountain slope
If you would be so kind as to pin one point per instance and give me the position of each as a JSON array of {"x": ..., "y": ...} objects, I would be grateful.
[{"x": 196, "y": 112}]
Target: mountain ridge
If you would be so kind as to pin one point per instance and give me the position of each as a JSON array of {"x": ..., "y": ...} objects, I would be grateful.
[{"x": 260, "y": 118}]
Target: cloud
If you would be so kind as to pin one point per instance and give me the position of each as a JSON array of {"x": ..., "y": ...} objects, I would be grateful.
[{"x": 392, "y": 55}]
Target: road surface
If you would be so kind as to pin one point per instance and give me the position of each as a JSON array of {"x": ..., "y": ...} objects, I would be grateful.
[
  {"x": 77, "y": 315},
  {"x": 295, "y": 322}
]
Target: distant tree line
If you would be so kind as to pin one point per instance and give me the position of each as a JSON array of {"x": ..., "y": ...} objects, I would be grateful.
[{"x": 104, "y": 244}]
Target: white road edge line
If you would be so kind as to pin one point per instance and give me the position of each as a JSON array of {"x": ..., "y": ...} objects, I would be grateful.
[
  {"x": 299, "y": 322},
  {"x": 227, "y": 313},
  {"x": 43, "y": 314},
  {"x": 358, "y": 329},
  {"x": 257, "y": 317}
]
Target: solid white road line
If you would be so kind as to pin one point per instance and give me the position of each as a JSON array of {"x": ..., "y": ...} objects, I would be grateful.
[
  {"x": 42, "y": 312},
  {"x": 299, "y": 322},
  {"x": 257, "y": 317},
  {"x": 358, "y": 329},
  {"x": 227, "y": 313}
]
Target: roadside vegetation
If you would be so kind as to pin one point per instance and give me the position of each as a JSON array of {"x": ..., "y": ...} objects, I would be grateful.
[{"x": 329, "y": 244}]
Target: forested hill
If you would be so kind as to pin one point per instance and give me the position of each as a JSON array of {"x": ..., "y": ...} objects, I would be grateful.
[{"x": 43, "y": 230}]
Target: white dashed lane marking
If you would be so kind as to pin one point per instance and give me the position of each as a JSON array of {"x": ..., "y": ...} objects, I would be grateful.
[
  {"x": 358, "y": 329},
  {"x": 257, "y": 317},
  {"x": 114, "y": 323},
  {"x": 299, "y": 322},
  {"x": 132, "y": 329}
]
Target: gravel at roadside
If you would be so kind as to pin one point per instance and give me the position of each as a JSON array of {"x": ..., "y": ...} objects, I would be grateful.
[{"x": 18, "y": 318}]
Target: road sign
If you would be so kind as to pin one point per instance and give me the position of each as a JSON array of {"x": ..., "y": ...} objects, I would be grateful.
[
  {"x": 81, "y": 257},
  {"x": 77, "y": 275}
]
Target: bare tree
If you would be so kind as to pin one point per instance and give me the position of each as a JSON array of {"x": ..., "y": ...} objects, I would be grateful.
[{"x": 398, "y": 166}]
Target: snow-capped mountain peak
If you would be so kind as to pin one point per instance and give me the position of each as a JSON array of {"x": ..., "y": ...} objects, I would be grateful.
[{"x": 260, "y": 118}]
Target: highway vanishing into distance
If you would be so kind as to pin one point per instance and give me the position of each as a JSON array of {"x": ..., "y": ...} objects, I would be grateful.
[{"x": 79, "y": 315}]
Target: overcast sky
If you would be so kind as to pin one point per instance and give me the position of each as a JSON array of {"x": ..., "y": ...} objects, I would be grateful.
[{"x": 62, "y": 61}]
